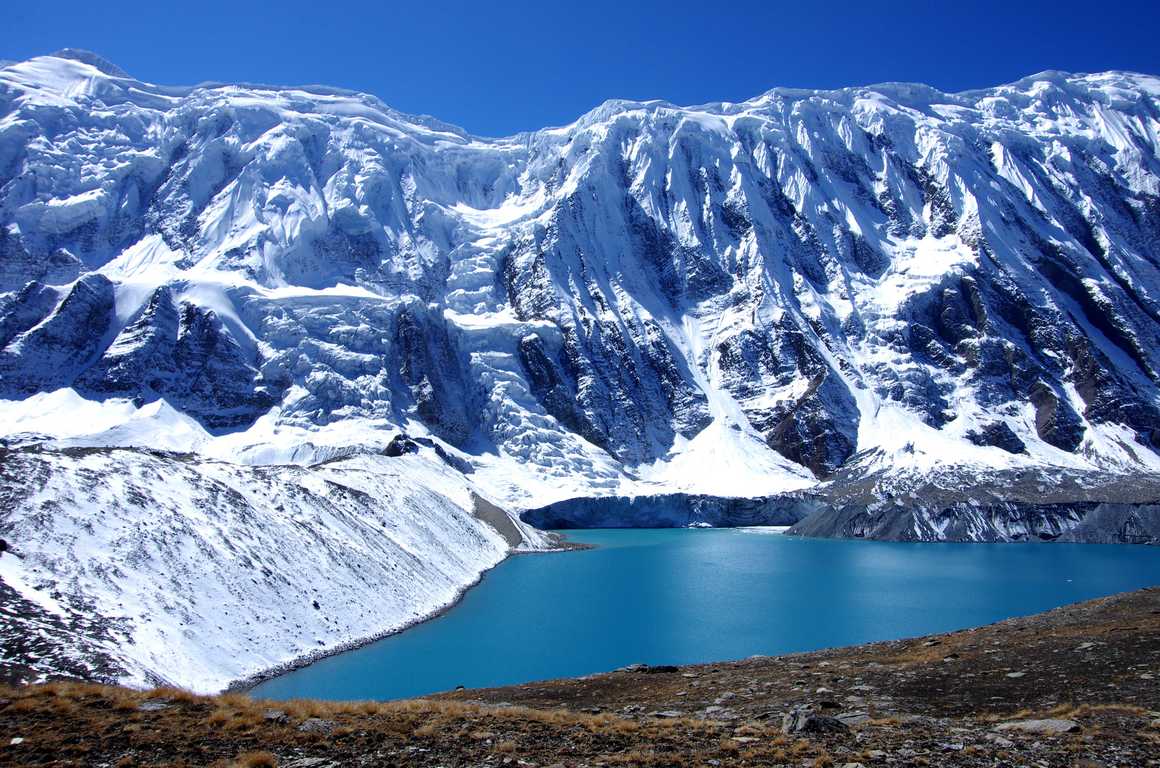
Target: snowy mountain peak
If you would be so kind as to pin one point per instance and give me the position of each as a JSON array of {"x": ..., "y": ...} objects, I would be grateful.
[{"x": 92, "y": 59}]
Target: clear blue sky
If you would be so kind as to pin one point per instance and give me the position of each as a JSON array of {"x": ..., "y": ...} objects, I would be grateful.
[{"x": 500, "y": 67}]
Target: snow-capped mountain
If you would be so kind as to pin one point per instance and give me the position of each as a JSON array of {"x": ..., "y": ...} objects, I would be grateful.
[
  {"x": 778, "y": 299},
  {"x": 806, "y": 274}
]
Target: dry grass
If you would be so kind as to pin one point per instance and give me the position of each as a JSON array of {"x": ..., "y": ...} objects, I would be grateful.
[
  {"x": 638, "y": 757},
  {"x": 256, "y": 760},
  {"x": 884, "y": 722},
  {"x": 175, "y": 694},
  {"x": 995, "y": 717},
  {"x": 749, "y": 729},
  {"x": 218, "y": 718},
  {"x": 1066, "y": 711},
  {"x": 605, "y": 723},
  {"x": 426, "y": 731},
  {"x": 1073, "y": 711}
]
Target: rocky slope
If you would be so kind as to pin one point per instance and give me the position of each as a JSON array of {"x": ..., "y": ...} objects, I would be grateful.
[{"x": 1008, "y": 505}]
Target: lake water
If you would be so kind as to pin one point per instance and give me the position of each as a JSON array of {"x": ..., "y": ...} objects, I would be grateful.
[{"x": 679, "y": 596}]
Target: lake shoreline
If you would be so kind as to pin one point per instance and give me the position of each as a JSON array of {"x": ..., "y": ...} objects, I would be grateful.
[
  {"x": 248, "y": 683},
  {"x": 716, "y": 594},
  {"x": 1072, "y": 682}
]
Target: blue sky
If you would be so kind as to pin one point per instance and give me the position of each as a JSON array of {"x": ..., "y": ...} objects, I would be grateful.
[{"x": 497, "y": 68}]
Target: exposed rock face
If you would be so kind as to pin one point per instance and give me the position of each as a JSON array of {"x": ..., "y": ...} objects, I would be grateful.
[
  {"x": 819, "y": 270},
  {"x": 23, "y": 309},
  {"x": 49, "y": 354},
  {"x": 1118, "y": 523},
  {"x": 1000, "y": 435},
  {"x": 141, "y": 357},
  {"x": 817, "y": 426},
  {"x": 955, "y": 521},
  {"x": 1005, "y": 506},
  {"x": 186, "y": 355},
  {"x": 429, "y": 365},
  {"x": 939, "y": 506},
  {"x": 676, "y": 510},
  {"x": 1056, "y": 422}
]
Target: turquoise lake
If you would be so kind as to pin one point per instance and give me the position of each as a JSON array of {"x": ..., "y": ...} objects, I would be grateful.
[{"x": 677, "y": 596}]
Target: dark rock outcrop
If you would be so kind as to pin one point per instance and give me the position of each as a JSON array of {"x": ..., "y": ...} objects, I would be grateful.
[
  {"x": 999, "y": 435},
  {"x": 186, "y": 355},
  {"x": 53, "y": 352},
  {"x": 674, "y": 510}
]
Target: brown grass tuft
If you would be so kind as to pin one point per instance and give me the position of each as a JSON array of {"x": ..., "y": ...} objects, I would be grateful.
[
  {"x": 256, "y": 760},
  {"x": 175, "y": 694},
  {"x": 219, "y": 717},
  {"x": 749, "y": 729}
]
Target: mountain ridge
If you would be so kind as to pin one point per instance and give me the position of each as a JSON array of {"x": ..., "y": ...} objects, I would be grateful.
[
  {"x": 109, "y": 68},
  {"x": 239, "y": 230}
]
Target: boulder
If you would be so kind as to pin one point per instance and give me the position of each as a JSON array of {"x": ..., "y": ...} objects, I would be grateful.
[
  {"x": 1048, "y": 727},
  {"x": 854, "y": 718},
  {"x": 802, "y": 720},
  {"x": 316, "y": 725},
  {"x": 667, "y": 714},
  {"x": 154, "y": 705}
]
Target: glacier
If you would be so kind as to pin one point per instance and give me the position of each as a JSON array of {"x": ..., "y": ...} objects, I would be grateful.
[{"x": 881, "y": 311}]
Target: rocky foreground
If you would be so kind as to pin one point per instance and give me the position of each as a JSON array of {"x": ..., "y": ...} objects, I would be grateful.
[{"x": 1077, "y": 686}]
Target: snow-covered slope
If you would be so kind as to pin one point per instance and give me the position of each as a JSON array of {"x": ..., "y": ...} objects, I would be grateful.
[
  {"x": 150, "y": 567},
  {"x": 735, "y": 300}
]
